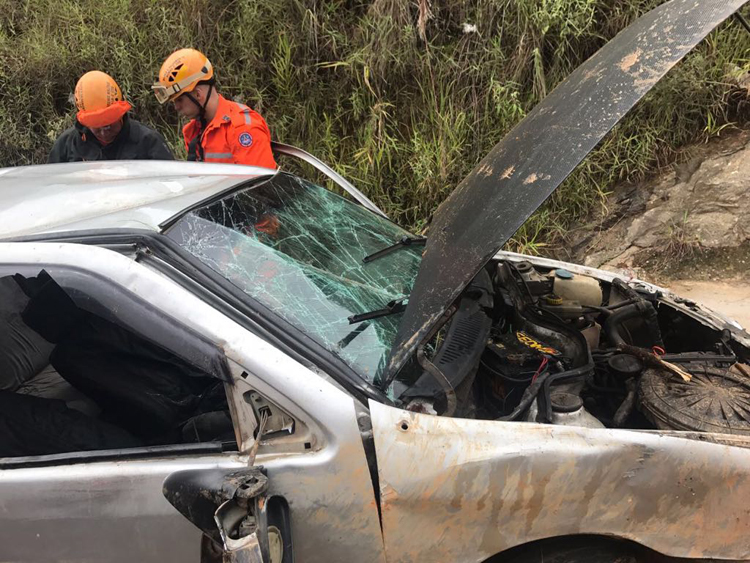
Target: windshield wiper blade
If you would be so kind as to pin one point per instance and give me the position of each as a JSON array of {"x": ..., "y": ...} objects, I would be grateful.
[
  {"x": 403, "y": 242},
  {"x": 393, "y": 307}
]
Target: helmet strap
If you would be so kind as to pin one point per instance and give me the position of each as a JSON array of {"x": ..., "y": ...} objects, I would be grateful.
[{"x": 195, "y": 149}]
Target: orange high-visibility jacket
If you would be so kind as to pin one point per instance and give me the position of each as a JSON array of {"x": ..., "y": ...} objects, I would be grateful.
[{"x": 236, "y": 135}]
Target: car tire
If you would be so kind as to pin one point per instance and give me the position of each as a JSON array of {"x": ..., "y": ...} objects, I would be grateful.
[{"x": 573, "y": 550}]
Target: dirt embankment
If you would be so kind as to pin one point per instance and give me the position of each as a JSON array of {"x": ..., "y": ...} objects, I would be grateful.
[{"x": 687, "y": 229}]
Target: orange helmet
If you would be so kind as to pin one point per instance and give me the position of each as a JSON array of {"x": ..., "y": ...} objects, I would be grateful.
[
  {"x": 99, "y": 100},
  {"x": 180, "y": 73}
]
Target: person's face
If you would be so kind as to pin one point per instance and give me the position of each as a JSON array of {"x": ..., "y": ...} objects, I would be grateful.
[
  {"x": 185, "y": 106},
  {"x": 108, "y": 133}
]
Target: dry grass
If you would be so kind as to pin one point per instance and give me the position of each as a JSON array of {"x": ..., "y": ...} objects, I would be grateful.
[{"x": 403, "y": 97}]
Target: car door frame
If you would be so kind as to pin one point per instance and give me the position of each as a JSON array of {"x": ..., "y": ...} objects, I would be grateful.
[
  {"x": 328, "y": 484},
  {"x": 164, "y": 255}
]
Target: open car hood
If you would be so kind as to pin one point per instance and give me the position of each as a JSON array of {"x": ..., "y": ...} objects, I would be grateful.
[{"x": 533, "y": 159}]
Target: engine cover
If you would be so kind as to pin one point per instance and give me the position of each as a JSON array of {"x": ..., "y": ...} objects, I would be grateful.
[{"x": 717, "y": 399}]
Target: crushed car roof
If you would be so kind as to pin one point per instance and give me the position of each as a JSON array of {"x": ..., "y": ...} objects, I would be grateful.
[
  {"x": 104, "y": 195},
  {"x": 533, "y": 159}
]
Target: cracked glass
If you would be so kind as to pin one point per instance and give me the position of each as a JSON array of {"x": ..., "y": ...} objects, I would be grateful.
[{"x": 298, "y": 249}]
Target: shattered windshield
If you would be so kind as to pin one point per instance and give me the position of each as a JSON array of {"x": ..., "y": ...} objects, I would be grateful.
[{"x": 298, "y": 249}]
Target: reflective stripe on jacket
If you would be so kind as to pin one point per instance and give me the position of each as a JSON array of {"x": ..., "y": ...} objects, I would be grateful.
[{"x": 236, "y": 135}]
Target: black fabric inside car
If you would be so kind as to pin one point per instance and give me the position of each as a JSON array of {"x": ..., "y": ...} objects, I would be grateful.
[
  {"x": 50, "y": 312},
  {"x": 139, "y": 387},
  {"x": 23, "y": 352},
  {"x": 35, "y": 426},
  {"x": 146, "y": 394},
  {"x": 49, "y": 384}
]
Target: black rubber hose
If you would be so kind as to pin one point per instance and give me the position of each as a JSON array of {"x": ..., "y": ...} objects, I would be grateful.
[
  {"x": 527, "y": 398},
  {"x": 648, "y": 309},
  {"x": 626, "y": 290},
  {"x": 532, "y": 390},
  {"x": 450, "y": 393},
  {"x": 627, "y": 406},
  {"x": 640, "y": 310}
]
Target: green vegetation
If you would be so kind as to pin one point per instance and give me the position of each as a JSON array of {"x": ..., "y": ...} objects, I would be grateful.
[{"x": 402, "y": 97}]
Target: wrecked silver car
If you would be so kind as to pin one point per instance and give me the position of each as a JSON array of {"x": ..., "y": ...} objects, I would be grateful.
[{"x": 210, "y": 362}]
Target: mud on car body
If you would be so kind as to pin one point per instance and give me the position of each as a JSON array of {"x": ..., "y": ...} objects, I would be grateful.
[{"x": 268, "y": 370}]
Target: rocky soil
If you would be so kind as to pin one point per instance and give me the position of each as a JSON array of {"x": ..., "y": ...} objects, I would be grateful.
[{"x": 686, "y": 229}]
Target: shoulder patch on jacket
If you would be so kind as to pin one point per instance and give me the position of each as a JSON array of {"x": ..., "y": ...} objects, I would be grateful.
[{"x": 246, "y": 139}]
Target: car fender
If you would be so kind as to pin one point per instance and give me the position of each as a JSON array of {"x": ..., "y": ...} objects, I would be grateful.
[{"x": 464, "y": 490}]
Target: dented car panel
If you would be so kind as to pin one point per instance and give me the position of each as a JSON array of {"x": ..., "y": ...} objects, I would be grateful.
[
  {"x": 561, "y": 399},
  {"x": 115, "y": 194},
  {"x": 475, "y": 488},
  {"x": 533, "y": 159}
]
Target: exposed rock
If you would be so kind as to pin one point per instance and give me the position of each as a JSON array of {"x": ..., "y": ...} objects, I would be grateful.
[{"x": 702, "y": 203}]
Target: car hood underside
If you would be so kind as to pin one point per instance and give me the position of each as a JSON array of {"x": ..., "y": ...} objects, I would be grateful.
[{"x": 521, "y": 171}]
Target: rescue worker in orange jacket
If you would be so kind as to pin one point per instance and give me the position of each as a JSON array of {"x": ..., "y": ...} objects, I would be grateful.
[{"x": 219, "y": 130}]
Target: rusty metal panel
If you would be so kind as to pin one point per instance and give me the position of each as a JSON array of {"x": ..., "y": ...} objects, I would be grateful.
[
  {"x": 473, "y": 488},
  {"x": 521, "y": 171}
]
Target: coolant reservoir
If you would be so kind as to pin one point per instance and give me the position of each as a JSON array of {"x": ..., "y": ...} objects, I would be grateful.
[
  {"x": 572, "y": 287},
  {"x": 567, "y": 410}
]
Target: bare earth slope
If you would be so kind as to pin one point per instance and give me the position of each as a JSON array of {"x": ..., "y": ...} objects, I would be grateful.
[
  {"x": 731, "y": 298},
  {"x": 686, "y": 229}
]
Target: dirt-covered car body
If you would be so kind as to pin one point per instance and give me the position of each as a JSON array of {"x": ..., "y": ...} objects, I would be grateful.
[{"x": 370, "y": 417}]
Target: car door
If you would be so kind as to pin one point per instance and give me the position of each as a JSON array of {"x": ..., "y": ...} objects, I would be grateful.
[
  {"x": 99, "y": 505},
  {"x": 110, "y": 506},
  {"x": 109, "y": 510}
]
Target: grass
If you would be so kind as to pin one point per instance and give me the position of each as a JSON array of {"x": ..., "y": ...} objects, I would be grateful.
[
  {"x": 400, "y": 96},
  {"x": 680, "y": 246}
]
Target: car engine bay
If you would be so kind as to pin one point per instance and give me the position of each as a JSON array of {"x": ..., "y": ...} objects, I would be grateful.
[{"x": 545, "y": 345}]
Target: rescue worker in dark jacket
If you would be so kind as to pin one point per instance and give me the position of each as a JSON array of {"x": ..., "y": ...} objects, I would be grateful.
[{"x": 103, "y": 129}]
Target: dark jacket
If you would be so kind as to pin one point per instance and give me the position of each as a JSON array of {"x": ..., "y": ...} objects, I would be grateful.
[{"x": 135, "y": 142}]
